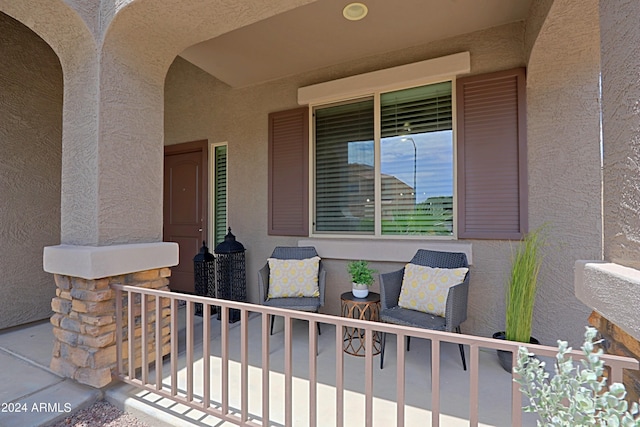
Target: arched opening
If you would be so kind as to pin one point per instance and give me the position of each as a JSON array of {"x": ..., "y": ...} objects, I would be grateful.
[{"x": 31, "y": 84}]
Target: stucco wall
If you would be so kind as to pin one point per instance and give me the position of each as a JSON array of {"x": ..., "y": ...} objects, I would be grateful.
[
  {"x": 30, "y": 140},
  {"x": 198, "y": 106},
  {"x": 612, "y": 289},
  {"x": 533, "y": 24},
  {"x": 564, "y": 159},
  {"x": 620, "y": 91}
]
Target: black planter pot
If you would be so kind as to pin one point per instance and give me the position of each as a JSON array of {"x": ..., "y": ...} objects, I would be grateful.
[{"x": 505, "y": 357}]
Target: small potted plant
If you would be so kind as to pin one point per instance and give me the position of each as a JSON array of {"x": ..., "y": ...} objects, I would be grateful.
[{"x": 361, "y": 277}]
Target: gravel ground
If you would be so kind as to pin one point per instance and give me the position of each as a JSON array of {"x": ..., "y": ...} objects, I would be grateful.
[{"x": 102, "y": 414}]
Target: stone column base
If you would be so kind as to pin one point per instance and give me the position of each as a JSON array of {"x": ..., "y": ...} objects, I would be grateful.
[
  {"x": 618, "y": 342},
  {"x": 84, "y": 325}
]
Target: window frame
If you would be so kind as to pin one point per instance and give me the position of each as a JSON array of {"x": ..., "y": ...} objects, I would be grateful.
[{"x": 375, "y": 94}]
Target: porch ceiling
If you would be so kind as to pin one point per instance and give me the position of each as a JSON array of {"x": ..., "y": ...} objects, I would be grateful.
[{"x": 316, "y": 35}]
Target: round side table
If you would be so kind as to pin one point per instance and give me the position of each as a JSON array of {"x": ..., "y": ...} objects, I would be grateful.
[{"x": 368, "y": 308}]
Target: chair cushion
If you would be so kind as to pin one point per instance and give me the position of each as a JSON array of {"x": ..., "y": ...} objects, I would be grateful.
[
  {"x": 426, "y": 288},
  {"x": 417, "y": 319},
  {"x": 293, "y": 277},
  {"x": 302, "y": 304}
]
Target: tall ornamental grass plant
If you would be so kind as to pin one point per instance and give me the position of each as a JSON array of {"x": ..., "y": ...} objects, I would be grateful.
[{"x": 522, "y": 287}]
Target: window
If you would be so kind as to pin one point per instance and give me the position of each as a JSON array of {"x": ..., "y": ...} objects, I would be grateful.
[
  {"x": 398, "y": 180},
  {"x": 383, "y": 161}
]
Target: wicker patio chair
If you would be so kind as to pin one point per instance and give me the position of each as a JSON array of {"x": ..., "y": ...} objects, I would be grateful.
[
  {"x": 311, "y": 304},
  {"x": 456, "y": 305}
]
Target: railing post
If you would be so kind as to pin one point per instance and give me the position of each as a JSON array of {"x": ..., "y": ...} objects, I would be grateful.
[
  {"x": 516, "y": 402},
  {"x": 158, "y": 339},
  {"x": 435, "y": 381},
  {"x": 244, "y": 365},
  {"x": 288, "y": 373},
  {"x": 339, "y": 375},
  {"x": 224, "y": 338},
  {"x": 368, "y": 376},
  {"x": 206, "y": 356},
  {"x": 313, "y": 374},
  {"x": 400, "y": 382},
  {"x": 474, "y": 383},
  {"x": 265, "y": 369},
  {"x": 144, "y": 325},
  {"x": 131, "y": 336},
  {"x": 174, "y": 346},
  {"x": 190, "y": 313}
]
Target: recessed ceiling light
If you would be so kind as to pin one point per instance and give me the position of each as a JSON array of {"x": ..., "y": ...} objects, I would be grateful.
[{"x": 355, "y": 11}]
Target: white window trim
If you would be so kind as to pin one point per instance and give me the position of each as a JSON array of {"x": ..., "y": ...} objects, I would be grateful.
[
  {"x": 396, "y": 78},
  {"x": 372, "y": 84}
]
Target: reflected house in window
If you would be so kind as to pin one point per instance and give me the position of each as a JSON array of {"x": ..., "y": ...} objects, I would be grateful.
[
  {"x": 397, "y": 196},
  {"x": 361, "y": 183},
  {"x": 359, "y": 207},
  {"x": 401, "y": 213}
]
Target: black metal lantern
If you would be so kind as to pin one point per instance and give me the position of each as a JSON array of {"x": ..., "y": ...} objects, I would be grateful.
[
  {"x": 203, "y": 275},
  {"x": 231, "y": 283}
]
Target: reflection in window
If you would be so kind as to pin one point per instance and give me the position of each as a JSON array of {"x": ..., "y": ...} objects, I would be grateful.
[
  {"x": 416, "y": 164},
  {"x": 417, "y": 184}
]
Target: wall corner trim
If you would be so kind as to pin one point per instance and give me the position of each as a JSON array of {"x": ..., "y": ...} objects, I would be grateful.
[{"x": 95, "y": 262}]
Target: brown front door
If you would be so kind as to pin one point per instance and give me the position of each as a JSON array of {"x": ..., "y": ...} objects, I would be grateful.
[{"x": 185, "y": 207}]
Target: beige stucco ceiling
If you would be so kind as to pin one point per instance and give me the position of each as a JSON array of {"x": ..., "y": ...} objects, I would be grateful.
[{"x": 317, "y": 35}]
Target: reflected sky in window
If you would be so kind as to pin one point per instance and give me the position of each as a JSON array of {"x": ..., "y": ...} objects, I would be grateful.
[{"x": 433, "y": 156}]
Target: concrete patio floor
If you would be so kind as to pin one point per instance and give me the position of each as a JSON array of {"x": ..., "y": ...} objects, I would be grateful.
[
  {"x": 31, "y": 394},
  {"x": 25, "y": 378}
]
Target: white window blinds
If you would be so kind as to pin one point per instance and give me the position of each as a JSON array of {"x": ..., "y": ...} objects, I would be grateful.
[{"x": 344, "y": 187}]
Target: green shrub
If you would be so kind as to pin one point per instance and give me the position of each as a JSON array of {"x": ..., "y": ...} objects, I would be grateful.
[{"x": 574, "y": 396}]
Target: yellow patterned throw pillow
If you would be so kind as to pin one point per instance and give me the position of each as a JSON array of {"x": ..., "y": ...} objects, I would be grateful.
[
  {"x": 426, "y": 288},
  {"x": 293, "y": 277}
]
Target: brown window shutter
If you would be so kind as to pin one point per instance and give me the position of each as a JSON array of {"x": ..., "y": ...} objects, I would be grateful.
[
  {"x": 492, "y": 163},
  {"x": 289, "y": 172}
]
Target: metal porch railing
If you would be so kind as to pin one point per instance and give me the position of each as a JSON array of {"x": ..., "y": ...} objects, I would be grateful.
[{"x": 139, "y": 315}]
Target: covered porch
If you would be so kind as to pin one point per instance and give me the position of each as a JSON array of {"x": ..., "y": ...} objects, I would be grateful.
[{"x": 130, "y": 90}]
